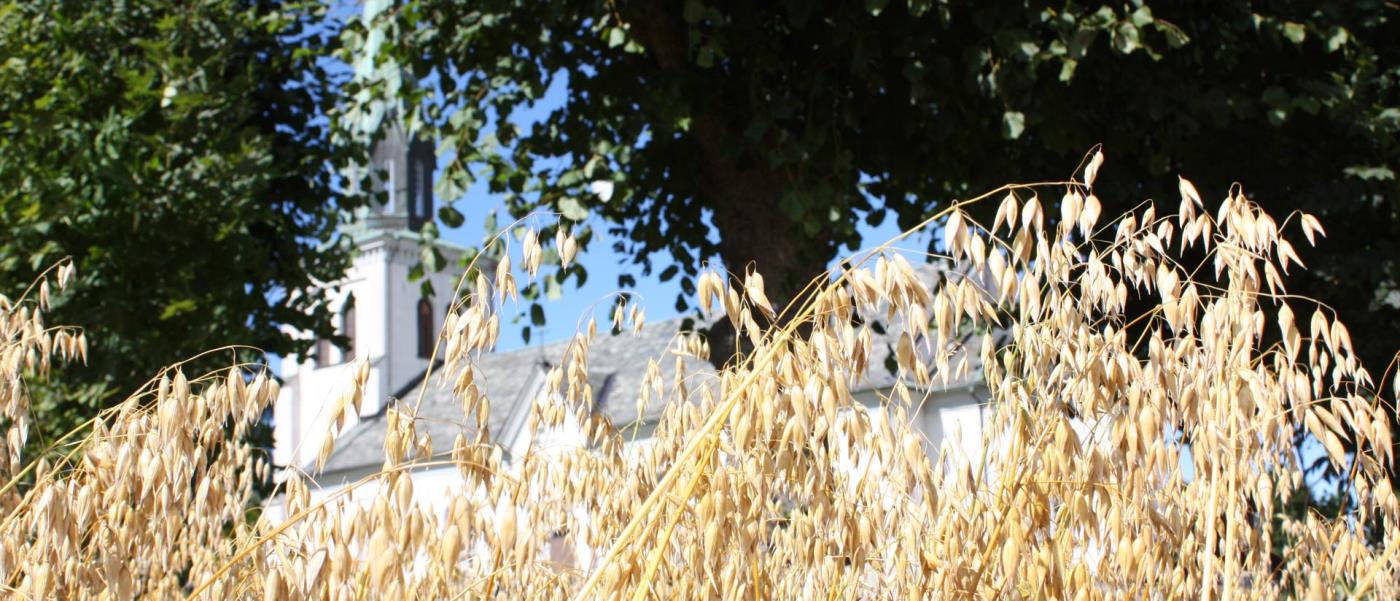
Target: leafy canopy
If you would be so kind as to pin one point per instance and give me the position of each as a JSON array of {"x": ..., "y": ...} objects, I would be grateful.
[
  {"x": 765, "y": 132},
  {"x": 172, "y": 149}
]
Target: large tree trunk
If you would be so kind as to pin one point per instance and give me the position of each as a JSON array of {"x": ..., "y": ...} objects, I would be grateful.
[
  {"x": 755, "y": 233},
  {"x": 745, "y": 195}
]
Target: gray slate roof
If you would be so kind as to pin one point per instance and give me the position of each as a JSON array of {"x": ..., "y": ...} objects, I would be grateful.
[{"x": 616, "y": 364}]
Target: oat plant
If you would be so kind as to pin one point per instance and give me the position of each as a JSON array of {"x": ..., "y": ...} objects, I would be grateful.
[{"x": 1128, "y": 453}]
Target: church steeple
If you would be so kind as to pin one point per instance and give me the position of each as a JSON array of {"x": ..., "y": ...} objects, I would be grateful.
[
  {"x": 389, "y": 323},
  {"x": 401, "y": 181},
  {"x": 401, "y": 163},
  {"x": 384, "y": 315}
]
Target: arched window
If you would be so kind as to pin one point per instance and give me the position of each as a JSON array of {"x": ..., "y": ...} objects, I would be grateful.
[
  {"x": 347, "y": 326},
  {"x": 425, "y": 329}
]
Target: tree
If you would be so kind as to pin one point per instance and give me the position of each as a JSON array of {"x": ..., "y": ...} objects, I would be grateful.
[
  {"x": 763, "y": 133},
  {"x": 173, "y": 150}
]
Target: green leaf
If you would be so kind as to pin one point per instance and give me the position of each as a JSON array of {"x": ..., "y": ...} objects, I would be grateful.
[
  {"x": 875, "y": 7},
  {"x": 590, "y": 166},
  {"x": 1067, "y": 68},
  {"x": 1338, "y": 39},
  {"x": 1101, "y": 18},
  {"x": 432, "y": 259},
  {"x": 1142, "y": 17},
  {"x": 429, "y": 231},
  {"x": 1370, "y": 172},
  {"x": 537, "y": 314},
  {"x": 552, "y": 289},
  {"x": 1390, "y": 116},
  {"x": 450, "y": 216},
  {"x": 1295, "y": 32},
  {"x": 177, "y": 307},
  {"x": 669, "y": 273},
  {"x": 1013, "y": 124},
  {"x": 573, "y": 209},
  {"x": 570, "y": 178},
  {"x": 490, "y": 223},
  {"x": 1125, "y": 38},
  {"x": 616, "y": 37}
]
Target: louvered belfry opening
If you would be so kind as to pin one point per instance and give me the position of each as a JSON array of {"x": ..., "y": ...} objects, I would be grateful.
[{"x": 425, "y": 329}]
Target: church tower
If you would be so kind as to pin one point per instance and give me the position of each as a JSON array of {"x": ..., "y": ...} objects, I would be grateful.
[
  {"x": 388, "y": 320},
  {"x": 401, "y": 176}
]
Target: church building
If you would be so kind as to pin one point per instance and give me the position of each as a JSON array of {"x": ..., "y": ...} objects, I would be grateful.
[{"x": 386, "y": 317}]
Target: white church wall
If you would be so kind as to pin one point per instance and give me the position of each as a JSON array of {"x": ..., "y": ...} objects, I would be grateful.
[
  {"x": 401, "y": 328},
  {"x": 385, "y": 335},
  {"x": 370, "y": 308},
  {"x": 402, "y": 362},
  {"x": 959, "y": 430},
  {"x": 301, "y": 414},
  {"x": 951, "y": 420}
]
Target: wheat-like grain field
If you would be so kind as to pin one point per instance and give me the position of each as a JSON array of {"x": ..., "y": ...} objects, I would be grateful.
[{"x": 748, "y": 489}]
